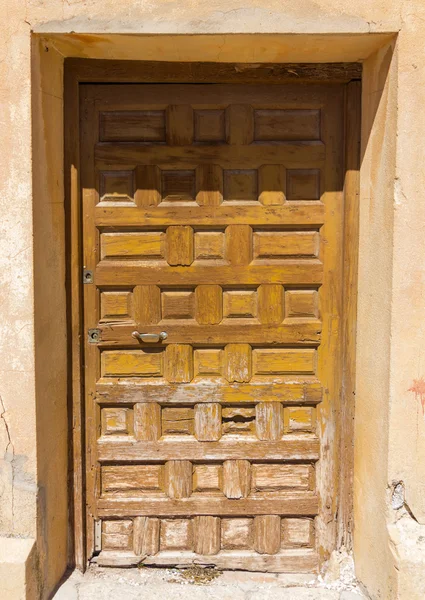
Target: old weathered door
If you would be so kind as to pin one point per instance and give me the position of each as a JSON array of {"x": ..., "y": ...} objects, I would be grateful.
[{"x": 213, "y": 213}]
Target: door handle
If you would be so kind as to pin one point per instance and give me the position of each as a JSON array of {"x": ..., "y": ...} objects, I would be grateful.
[{"x": 151, "y": 338}]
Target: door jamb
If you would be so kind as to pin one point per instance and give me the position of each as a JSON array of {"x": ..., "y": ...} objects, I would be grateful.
[{"x": 78, "y": 71}]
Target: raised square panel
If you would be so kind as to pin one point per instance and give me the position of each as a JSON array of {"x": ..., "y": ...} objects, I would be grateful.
[
  {"x": 116, "y": 305},
  {"x": 297, "y": 533},
  {"x": 240, "y": 304},
  {"x": 277, "y": 125},
  {"x": 241, "y": 185},
  {"x": 208, "y": 362},
  {"x": 147, "y": 245},
  {"x": 117, "y": 420},
  {"x": 178, "y": 186},
  {"x": 237, "y": 534},
  {"x": 176, "y": 534},
  {"x": 301, "y": 304},
  {"x": 207, "y": 478},
  {"x": 209, "y": 245},
  {"x": 178, "y": 305},
  {"x": 117, "y": 535},
  {"x": 132, "y": 363},
  {"x": 278, "y": 477},
  {"x": 278, "y": 361},
  {"x": 132, "y": 126},
  {"x": 116, "y": 186},
  {"x": 131, "y": 479},
  {"x": 303, "y": 184},
  {"x": 177, "y": 421},
  {"x": 238, "y": 419},
  {"x": 210, "y": 125},
  {"x": 285, "y": 244},
  {"x": 299, "y": 418}
]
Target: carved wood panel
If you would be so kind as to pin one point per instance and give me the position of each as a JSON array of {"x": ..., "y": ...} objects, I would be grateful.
[{"x": 213, "y": 213}]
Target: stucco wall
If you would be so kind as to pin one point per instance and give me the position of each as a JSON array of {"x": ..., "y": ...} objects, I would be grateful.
[{"x": 390, "y": 427}]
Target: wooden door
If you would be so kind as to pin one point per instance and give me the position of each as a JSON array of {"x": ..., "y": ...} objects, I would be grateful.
[{"x": 213, "y": 213}]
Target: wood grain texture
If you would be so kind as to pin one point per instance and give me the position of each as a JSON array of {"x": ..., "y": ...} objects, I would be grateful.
[
  {"x": 222, "y": 225},
  {"x": 239, "y": 244},
  {"x": 148, "y": 186},
  {"x": 146, "y": 536},
  {"x": 209, "y": 304},
  {"x": 179, "y": 363},
  {"x": 237, "y": 359},
  {"x": 178, "y": 478},
  {"x": 179, "y": 125},
  {"x": 288, "y": 449},
  {"x": 267, "y": 534},
  {"x": 270, "y": 304},
  {"x": 179, "y": 245},
  {"x": 206, "y": 535},
  {"x": 351, "y": 251},
  {"x": 147, "y": 421},
  {"x": 288, "y": 561},
  {"x": 133, "y": 71},
  {"x": 290, "y": 214},
  {"x": 289, "y": 504},
  {"x": 269, "y": 420},
  {"x": 291, "y": 332},
  {"x": 253, "y": 156},
  {"x": 272, "y": 184},
  {"x": 291, "y": 393},
  {"x": 208, "y": 422},
  {"x": 236, "y": 478}
]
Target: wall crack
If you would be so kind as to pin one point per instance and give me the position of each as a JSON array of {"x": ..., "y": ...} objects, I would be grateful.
[{"x": 7, "y": 453}]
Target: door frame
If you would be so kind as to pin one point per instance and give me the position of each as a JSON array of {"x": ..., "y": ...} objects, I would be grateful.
[{"x": 78, "y": 71}]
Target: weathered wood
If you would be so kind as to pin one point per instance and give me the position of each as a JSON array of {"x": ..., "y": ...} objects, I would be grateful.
[
  {"x": 147, "y": 421},
  {"x": 289, "y": 393},
  {"x": 236, "y": 478},
  {"x": 295, "y": 333},
  {"x": 206, "y": 535},
  {"x": 269, "y": 420},
  {"x": 287, "y": 561},
  {"x": 351, "y": 241},
  {"x": 237, "y": 361},
  {"x": 178, "y": 478},
  {"x": 267, "y": 534},
  {"x": 146, "y": 536},
  {"x": 179, "y": 363},
  {"x": 292, "y": 272},
  {"x": 270, "y": 304},
  {"x": 179, "y": 245},
  {"x": 206, "y": 253},
  {"x": 123, "y": 71},
  {"x": 292, "y": 154},
  {"x": 287, "y": 504},
  {"x": 208, "y": 422},
  {"x": 209, "y": 304},
  {"x": 286, "y": 449},
  {"x": 288, "y": 214},
  {"x": 281, "y": 477},
  {"x": 73, "y": 283}
]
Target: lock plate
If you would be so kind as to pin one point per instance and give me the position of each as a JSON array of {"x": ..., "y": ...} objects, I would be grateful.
[{"x": 93, "y": 336}]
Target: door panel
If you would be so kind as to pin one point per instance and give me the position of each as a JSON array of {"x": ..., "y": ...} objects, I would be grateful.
[{"x": 213, "y": 213}]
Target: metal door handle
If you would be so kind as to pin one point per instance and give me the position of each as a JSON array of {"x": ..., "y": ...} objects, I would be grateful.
[{"x": 150, "y": 337}]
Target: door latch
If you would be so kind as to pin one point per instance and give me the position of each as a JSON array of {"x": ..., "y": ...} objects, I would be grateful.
[{"x": 150, "y": 337}]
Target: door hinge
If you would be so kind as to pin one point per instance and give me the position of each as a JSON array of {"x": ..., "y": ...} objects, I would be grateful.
[
  {"x": 98, "y": 536},
  {"x": 93, "y": 336},
  {"x": 88, "y": 276}
]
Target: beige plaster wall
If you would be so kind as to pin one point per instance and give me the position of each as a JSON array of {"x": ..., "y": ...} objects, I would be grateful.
[{"x": 390, "y": 432}]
